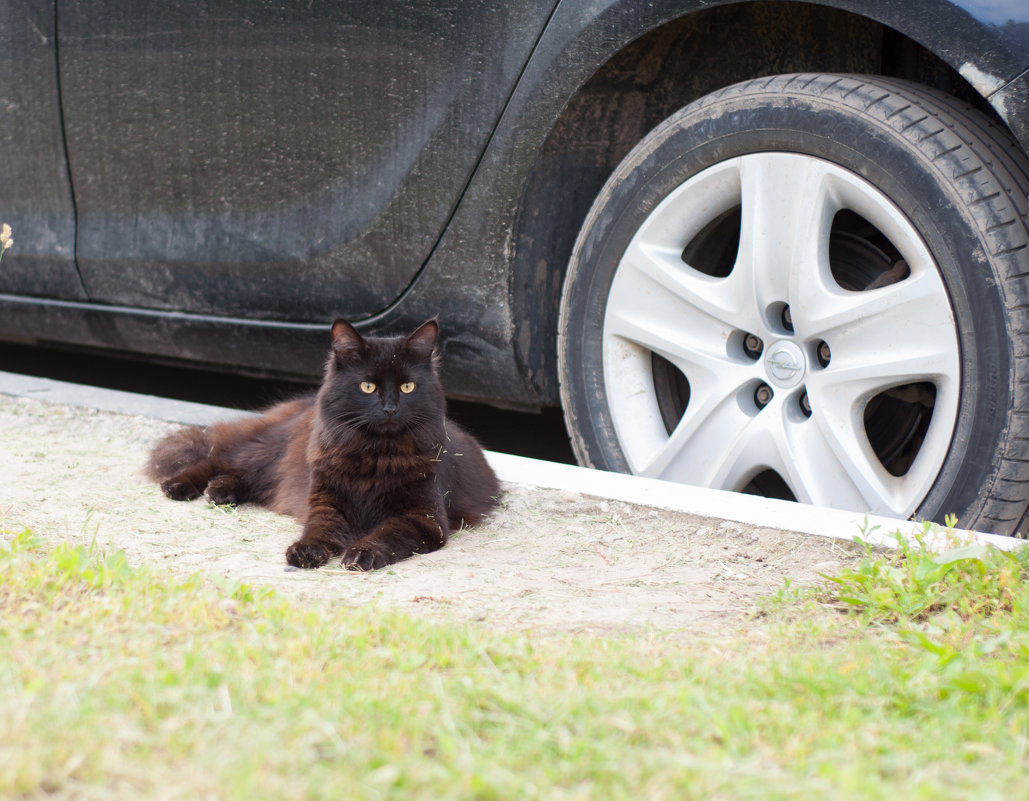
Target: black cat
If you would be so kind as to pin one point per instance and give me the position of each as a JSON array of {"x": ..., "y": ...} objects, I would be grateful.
[{"x": 369, "y": 464}]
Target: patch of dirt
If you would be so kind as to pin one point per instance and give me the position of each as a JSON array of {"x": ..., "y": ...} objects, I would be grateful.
[{"x": 547, "y": 560}]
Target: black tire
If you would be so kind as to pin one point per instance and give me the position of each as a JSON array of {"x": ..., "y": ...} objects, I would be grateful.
[{"x": 961, "y": 181}]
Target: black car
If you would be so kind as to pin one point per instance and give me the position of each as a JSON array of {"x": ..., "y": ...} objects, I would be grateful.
[{"x": 774, "y": 247}]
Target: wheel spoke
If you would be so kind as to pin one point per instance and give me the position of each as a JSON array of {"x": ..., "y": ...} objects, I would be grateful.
[
  {"x": 715, "y": 382},
  {"x": 695, "y": 349},
  {"x": 657, "y": 270},
  {"x": 884, "y": 338},
  {"x": 754, "y": 448},
  {"x": 829, "y": 463},
  {"x": 786, "y": 216},
  {"x": 656, "y": 252},
  {"x": 916, "y": 306},
  {"x": 694, "y": 453},
  {"x": 859, "y": 381}
]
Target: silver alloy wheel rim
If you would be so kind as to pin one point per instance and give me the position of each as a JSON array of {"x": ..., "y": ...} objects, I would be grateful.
[{"x": 900, "y": 334}]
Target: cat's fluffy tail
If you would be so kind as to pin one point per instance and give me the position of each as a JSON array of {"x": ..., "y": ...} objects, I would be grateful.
[{"x": 176, "y": 452}]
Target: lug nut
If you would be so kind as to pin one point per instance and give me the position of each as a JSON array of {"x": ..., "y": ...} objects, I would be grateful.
[
  {"x": 752, "y": 345},
  {"x": 824, "y": 354},
  {"x": 787, "y": 318},
  {"x": 763, "y": 395},
  {"x": 805, "y": 404}
]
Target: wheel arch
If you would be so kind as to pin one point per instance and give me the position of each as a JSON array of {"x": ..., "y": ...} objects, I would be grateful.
[{"x": 670, "y": 64}]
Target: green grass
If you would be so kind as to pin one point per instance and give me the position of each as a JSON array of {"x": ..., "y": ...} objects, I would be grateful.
[{"x": 907, "y": 678}]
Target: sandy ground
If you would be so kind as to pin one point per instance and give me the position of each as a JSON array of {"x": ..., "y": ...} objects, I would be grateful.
[{"x": 548, "y": 560}]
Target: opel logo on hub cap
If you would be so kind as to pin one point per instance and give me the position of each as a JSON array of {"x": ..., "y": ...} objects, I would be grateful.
[{"x": 785, "y": 364}]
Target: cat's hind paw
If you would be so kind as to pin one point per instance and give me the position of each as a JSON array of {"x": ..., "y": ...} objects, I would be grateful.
[
  {"x": 179, "y": 490},
  {"x": 307, "y": 555},
  {"x": 224, "y": 491}
]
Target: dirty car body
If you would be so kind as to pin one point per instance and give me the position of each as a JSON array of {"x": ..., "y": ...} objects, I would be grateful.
[{"x": 212, "y": 184}]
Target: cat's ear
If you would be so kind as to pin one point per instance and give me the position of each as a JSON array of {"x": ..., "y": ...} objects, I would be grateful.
[
  {"x": 347, "y": 344},
  {"x": 422, "y": 343}
]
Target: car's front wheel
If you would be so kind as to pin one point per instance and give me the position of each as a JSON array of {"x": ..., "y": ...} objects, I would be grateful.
[{"x": 811, "y": 287}]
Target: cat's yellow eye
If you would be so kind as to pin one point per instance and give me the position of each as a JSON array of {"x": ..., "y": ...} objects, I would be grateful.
[
  {"x": 367, "y": 387},
  {"x": 407, "y": 387}
]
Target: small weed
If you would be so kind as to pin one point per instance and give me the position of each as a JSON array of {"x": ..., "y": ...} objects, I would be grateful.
[{"x": 913, "y": 582}]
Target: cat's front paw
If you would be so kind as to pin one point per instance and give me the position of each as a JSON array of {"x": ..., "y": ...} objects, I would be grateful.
[
  {"x": 367, "y": 555},
  {"x": 307, "y": 555}
]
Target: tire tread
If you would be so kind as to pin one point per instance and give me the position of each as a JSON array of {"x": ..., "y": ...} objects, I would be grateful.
[{"x": 984, "y": 166}]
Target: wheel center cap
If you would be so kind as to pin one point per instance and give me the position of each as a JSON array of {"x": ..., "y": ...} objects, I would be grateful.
[{"x": 785, "y": 364}]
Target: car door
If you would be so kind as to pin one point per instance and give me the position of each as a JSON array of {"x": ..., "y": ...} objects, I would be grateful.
[
  {"x": 35, "y": 193},
  {"x": 280, "y": 161}
]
